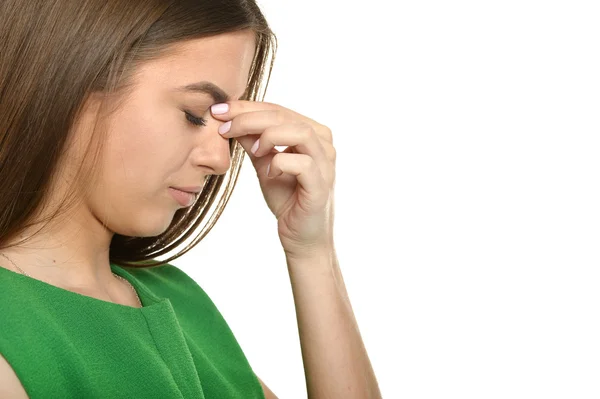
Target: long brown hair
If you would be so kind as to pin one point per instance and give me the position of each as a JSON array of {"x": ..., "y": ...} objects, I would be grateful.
[{"x": 55, "y": 53}]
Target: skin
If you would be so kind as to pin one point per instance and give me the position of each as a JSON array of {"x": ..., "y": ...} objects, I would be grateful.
[
  {"x": 151, "y": 146},
  {"x": 148, "y": 152}
]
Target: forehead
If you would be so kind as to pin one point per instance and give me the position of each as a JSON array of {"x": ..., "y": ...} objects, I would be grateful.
[{"x": 223, "y": 60}]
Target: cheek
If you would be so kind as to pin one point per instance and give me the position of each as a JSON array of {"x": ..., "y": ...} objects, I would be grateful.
[
  {"x": 144, "y": 152},
  {"x": 137, "y": 161},
  {"x": 132, "y": 197}
]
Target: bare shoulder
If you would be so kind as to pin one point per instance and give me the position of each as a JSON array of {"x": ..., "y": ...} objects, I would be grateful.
[{"x": 10, "y": 386}]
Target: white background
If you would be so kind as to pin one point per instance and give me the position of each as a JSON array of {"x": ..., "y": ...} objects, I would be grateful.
[{"x": 467, "y": 196}]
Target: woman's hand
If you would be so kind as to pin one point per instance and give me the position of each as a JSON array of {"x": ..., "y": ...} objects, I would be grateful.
[{"x": 300, "y": 182}]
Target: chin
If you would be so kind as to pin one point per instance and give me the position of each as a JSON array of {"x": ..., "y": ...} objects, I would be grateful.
[{"x": 148, "y": 225}]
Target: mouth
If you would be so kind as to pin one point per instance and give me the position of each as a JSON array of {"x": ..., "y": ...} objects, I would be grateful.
[
  {"x": 183, "y": 198},
  {"x": 193, "y": 190}
]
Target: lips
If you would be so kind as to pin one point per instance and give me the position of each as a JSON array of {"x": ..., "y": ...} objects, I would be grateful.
[
  {"x": 183, "y": 198},
  {"x": 193, "y": 190}
]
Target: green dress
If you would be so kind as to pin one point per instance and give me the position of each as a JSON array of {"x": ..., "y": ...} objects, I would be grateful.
[{"x": 62, "y": 344}]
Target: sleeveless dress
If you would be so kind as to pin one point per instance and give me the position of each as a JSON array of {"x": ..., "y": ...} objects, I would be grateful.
[{"x": 62, "y": 344}]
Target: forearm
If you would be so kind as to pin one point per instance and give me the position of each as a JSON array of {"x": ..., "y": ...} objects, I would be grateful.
[{"x": 336, "y": 363}]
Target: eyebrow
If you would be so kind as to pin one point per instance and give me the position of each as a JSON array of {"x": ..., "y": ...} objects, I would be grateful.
[{"x": 218, "y": 94}]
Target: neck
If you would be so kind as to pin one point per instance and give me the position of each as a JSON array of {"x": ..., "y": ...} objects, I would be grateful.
[{"x": 69, "y": 256}]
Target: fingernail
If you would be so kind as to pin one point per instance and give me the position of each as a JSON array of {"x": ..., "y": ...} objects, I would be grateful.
[
  {"x": 224, "y": 128},
  {"x": 255, "y": 147},
  {"x": 219, "y": 108}
]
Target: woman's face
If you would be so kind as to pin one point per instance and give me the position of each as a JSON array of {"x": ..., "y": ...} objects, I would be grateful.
[{"x": 152, "y": 144}]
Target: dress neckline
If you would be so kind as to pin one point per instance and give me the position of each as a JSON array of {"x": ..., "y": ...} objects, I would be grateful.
[{"x": 147, "y": 297}]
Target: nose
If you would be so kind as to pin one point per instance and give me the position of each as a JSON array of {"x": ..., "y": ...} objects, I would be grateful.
[{"x": 211, "y": 149}]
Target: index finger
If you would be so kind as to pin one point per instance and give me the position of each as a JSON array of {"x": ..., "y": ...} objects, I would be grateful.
[{"x": 230, "y": 109}]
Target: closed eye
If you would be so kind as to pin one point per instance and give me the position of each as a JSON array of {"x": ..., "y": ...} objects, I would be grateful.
[{"x": 194, "y": 120}]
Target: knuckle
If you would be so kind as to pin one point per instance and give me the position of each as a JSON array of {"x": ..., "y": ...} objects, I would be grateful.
[
  {"x": 279, "y": 117},
  {"x": 306, "y": 131},
  {"x": 241, "y": 107},
  {"x": 327, "y": 133},
  {"x": 243, "y": 120}
]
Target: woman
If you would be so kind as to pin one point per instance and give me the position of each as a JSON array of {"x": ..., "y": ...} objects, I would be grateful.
[{"x": 118, "y": 120}]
